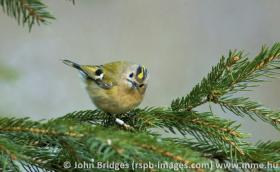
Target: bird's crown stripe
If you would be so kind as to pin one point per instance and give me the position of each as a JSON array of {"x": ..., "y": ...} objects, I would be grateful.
[{"x": 141, "y": 74}]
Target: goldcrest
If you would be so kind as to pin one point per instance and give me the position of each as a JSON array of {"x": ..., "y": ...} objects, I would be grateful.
[{"x": 116, "y": 87}]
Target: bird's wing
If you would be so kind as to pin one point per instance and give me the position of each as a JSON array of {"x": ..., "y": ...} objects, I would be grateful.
[
  {"x": 100, "y": 75},
  {"x": 105, "y": 76}
]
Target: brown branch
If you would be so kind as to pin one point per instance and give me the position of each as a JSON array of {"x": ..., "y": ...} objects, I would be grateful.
[
  {"x": 42, "y": 131},
  {"x": 26, "y": 6}
]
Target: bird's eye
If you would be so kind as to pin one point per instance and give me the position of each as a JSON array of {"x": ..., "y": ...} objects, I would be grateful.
[
  {"x": 131, "y": 75},
  {"x": 141, "y": 85},
  {"x": 98, "y": 72}
]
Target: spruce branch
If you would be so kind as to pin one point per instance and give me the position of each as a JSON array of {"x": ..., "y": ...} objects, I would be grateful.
[
  {"x": 270, "y": 146},
  {"x": 267, "y": 152},
  {"x": 231, "y": 75},
  {"x": 262, "y": 152},
  {"x": 221, "y": 136},
  {"x": 48, "y": 144},
  {"x": 244, "y": 106},
  {"x": 208, "y": 150},
  {"x": 28, "y": 11},
  {"x": 220, "y": 133},
  {"x": 8, "y": 149}
]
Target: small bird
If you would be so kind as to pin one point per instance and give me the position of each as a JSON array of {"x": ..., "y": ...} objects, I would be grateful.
[{"x": 115, "y": 87}]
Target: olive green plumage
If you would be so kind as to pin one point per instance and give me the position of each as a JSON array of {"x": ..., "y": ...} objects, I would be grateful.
[{"x": 115, "y": 87}]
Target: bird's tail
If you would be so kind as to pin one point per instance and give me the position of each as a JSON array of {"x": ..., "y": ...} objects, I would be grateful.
[{"x": 72, "y": 64}]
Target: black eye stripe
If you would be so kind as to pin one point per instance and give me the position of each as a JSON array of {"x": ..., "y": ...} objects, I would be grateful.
[
  {"x": 131, "y": 75},
  {"x": 141, "y": 72},
  {"x": 138, "y": 70},
  {"x": 98, "y": 72}
]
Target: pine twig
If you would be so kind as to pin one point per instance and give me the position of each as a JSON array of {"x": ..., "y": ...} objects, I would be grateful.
[
  {"x": 28, "y": 11},
  {"x": 234, "y": 74}
]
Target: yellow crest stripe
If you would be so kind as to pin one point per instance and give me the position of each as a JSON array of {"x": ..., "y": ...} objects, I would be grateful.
[{"x": 141, "y": 74}]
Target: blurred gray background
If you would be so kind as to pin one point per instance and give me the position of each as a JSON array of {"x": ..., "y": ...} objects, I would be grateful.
[{"x": 177, "y": 40}]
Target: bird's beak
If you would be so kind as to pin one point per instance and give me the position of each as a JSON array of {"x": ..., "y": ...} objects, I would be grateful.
[{"x": 134, "y": 84}]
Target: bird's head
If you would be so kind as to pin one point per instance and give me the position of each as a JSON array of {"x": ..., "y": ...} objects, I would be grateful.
[{"x": 136, "y": 77}]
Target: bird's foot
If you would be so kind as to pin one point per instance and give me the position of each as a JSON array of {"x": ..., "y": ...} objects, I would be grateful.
[{"x": 122, "y": 123}]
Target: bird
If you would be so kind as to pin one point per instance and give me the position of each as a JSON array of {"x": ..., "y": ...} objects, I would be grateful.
[{"x": 116, "y": 87}]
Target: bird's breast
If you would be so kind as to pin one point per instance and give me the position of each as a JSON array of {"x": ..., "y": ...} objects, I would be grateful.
[{"x": 118, "y": 99}]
